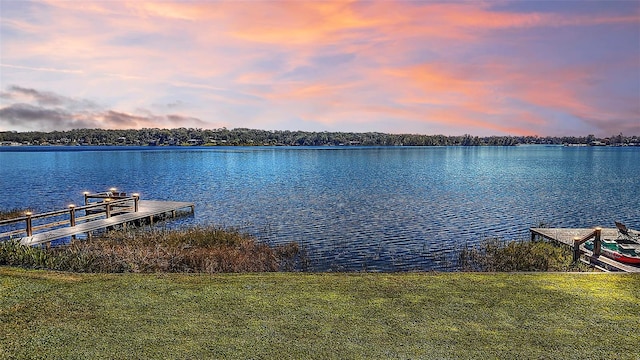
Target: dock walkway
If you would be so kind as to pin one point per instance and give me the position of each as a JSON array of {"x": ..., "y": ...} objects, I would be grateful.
[
  {"x": 148, "y": 209},
  {"x": 570, "y": 236},
  {"x": 102, "y": 215},
  {"x": 566, "y": 236}
]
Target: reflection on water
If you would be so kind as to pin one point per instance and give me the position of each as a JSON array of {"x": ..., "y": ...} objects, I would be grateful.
[{"x": 352, "y": 208}]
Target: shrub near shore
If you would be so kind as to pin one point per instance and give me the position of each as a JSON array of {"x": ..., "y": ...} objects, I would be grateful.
[
  {"x": 495, "y": 255},
  {"x": 214, "y": 249},
  {"x": 217, "y": 250},
  {"x": 10, "y": 214},
  {"x": 198, "y": 249}
]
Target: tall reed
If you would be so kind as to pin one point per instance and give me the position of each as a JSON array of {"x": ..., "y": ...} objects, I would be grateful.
[
  {"x": 12, "y": 213},
  {"x": 498, "y": 255},
  {"x": 197, "y": 249}
]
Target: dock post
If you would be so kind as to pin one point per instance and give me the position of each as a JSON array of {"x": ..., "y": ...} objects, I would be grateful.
[
  {"x": 576, "y": 248},
  {"x": 29, "y": 223},
  {"x": 597, "y": 243},
  {"x": 72, "y": 215},
  {"x": 136, "y": 200},
  {"x": 86, "y": 197},
  {"x": 72, "y": 218},
  {"x": 107, "y": 208}
]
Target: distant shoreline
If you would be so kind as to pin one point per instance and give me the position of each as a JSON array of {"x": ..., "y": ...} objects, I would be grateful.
[
  {"x": 208, "y": 145},
  {"x": 253, "y": 137}
]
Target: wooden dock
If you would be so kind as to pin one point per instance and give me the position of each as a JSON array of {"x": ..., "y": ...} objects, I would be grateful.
[
  {"x": 108, "y": 212},
  {"x": 575, "y": 238}
]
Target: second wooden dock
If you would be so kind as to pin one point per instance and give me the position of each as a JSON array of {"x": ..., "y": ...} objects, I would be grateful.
[{"x": 571, "y": 237}]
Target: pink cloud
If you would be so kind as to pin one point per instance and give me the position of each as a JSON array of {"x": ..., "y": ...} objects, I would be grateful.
[
  {"x": 331, "y": 63},
  {"x": 501, "y": 92}
]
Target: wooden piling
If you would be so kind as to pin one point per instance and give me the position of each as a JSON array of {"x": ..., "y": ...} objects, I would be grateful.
[
  {"x": 597, "y": 242},
  {"x": 29, "y": 224},
  {"x": 576, "y": 249},
  {"x": 136, "y": 202},
  {"x": 72, "y": 218},
  {"x": 72, "y": 215}
]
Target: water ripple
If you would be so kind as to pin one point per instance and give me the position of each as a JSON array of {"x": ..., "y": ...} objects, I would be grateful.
[{"x": 373, "y": 209}]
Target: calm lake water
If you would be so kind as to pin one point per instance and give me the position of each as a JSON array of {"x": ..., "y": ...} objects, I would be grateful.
[{"x": 352, "y": 208}]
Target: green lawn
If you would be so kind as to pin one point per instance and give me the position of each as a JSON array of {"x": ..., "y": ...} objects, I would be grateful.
[{"x": 323, "y": 316}]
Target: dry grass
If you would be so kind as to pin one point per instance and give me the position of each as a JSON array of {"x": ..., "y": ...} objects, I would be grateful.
[
  {"x": 191, "y": 250},
  {"x": 13, "y": 213},
  {"x": 496, "y": 255}
]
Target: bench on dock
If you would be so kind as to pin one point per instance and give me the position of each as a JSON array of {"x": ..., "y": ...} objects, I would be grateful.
[
  {"x": 629, "y": 246},
  {"x": 625, "y": 232}
]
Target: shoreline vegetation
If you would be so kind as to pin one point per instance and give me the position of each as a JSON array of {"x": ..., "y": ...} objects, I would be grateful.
[
  {"x": 254, "y": 137},
  {"x": 13, "y": 213},
  {"x": 213, "y": 249},
  {"x": 206, "y": 250},
  {"x": 155, "y": 252},
  {"x": 495, "y": 255}
]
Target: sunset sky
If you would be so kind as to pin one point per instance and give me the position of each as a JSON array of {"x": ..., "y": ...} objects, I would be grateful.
[{"x": 547, "y": 68}]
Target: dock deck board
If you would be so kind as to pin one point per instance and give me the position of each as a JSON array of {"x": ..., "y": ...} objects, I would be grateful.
[
  {"x": 566, "y": 236},
  {"x": 146, "y": 209}
]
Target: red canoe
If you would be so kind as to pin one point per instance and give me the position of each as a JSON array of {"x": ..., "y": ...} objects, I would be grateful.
[{"x": 622, "y": 251}]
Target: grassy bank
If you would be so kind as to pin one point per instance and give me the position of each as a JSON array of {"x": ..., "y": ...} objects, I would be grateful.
[{"x": 323, "y": 316}]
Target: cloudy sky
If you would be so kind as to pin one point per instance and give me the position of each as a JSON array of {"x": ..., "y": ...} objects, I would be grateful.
[{"x": 428, "y": 67}]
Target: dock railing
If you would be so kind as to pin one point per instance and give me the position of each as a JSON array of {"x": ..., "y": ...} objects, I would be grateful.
[
  {"x": 597, "y": 243},
  {"x": 110, "y": 204}
]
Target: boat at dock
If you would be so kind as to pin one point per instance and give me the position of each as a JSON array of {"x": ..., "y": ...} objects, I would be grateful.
[
  {"x": 622, "y": 250},
  {"x": 608, "y": 249}
]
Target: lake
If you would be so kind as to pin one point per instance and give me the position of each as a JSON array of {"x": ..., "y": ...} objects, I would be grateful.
[{"x": 352, "y": 208}]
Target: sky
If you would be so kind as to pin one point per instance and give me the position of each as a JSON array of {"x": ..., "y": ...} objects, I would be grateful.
[{"x": 547, "y": 68}]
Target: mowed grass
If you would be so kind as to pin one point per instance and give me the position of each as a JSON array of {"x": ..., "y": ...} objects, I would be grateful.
[{"x": 319, "y": 316}]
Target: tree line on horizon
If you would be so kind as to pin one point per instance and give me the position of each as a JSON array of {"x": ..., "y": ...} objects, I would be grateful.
[{"x": 254, "y": 137}]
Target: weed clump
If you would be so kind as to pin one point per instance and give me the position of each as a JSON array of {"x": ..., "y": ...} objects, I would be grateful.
[
  {"x": 494, "y": 255},
  {"x": 12, "y": 213},
  {"x": 191, "y": 250}
]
